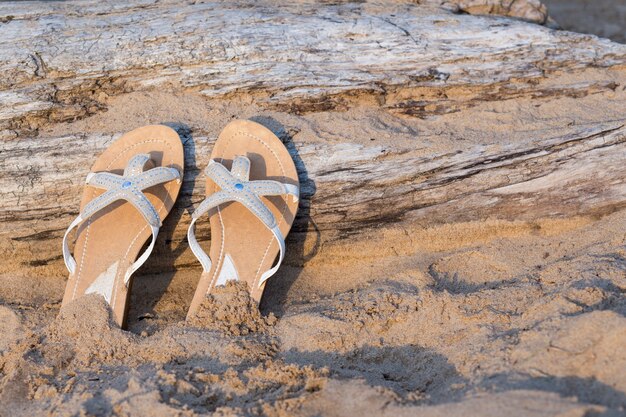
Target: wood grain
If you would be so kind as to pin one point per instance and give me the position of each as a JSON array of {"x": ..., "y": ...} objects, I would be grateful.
[
  {"x": 60, "y": 61},
  {"x": 63, "y": 61}
]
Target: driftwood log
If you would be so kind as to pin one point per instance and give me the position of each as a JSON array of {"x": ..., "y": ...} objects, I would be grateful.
[{"x": 61, "y": 62}]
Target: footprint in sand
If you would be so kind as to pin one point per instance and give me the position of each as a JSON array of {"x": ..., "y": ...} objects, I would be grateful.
[
  {"x": 468, "y": 272},
  {"x": 10, "y": 327}
]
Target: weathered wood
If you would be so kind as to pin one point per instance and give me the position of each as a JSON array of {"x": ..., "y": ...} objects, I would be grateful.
[
  {"x": 530, "y": 10},
  {"x": 62, "y": 61},
  {"x": 347, "y": 187}
]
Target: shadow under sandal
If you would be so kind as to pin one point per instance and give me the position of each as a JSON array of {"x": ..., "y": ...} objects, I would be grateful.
[
  {"x": 252, "y": 197},
  {"x": 130, "y": 190}
]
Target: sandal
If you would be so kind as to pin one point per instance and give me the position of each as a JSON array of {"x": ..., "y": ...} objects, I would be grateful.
[
  {"x": 130, "y": 190},
  {"x": 249, "y": 166}
]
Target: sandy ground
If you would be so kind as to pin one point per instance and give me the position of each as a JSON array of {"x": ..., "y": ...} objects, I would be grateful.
[
  {"x": 484, "y": 318},
  {"x": 473, "y": 319}
]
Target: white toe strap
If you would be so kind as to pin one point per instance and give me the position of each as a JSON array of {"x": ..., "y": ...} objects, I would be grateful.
[
  {"x": 70, "y": 262},
  {"x": 281, "y": 244},
  {"x": 143, "y": 258},
  {"x": 204, "y": 259}
]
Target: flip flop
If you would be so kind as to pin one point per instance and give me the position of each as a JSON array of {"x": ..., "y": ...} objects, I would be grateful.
[
  {"x": 252, "y": 197},
  {"x": 131, "y": 188}
]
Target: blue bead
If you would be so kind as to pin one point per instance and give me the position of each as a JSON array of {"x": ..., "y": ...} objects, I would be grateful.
[
  {"x": 126, "y": 184},
  {"x": 239, "y": 186}
]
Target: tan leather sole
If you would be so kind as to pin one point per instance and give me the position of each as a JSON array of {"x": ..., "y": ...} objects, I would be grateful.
[
  {"x": 110, "y": 241},
  {"x": 236, "y": 234}
]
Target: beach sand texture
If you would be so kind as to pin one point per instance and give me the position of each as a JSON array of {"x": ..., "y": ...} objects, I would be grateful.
[{"x": 513, "y": 313}]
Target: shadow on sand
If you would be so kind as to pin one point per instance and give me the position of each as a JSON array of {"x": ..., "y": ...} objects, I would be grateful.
[{"x": 155, "y": 276}]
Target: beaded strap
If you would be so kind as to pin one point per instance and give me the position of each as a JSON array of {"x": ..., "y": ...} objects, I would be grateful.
[
  {"x": 236, "y": 186},
  {"x": 129, "y": 187}
]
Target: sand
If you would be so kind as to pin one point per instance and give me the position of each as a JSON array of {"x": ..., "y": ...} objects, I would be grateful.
[
  {"x": 486, "y": 318},
  {"x": 473, "y": 319}
]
